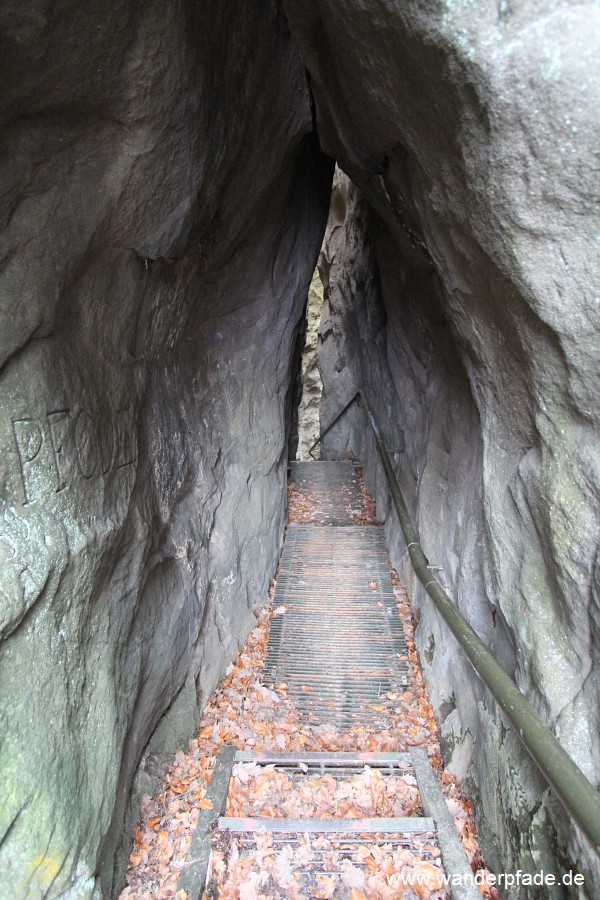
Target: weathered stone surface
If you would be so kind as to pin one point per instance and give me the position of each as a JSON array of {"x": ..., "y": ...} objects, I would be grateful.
[
  {"x": 163, "y": 199},
  {"x": 462, "y": 297},
  {"x": 312, "y": 386}
]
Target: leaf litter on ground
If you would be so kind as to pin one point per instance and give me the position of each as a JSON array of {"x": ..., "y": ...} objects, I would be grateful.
[{"x": 246, "y": 713}]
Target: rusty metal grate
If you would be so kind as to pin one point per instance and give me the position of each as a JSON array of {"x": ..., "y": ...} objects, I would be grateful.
[
  {"x": 332, "y": 488},
  {"x": 338, "y": 644}
]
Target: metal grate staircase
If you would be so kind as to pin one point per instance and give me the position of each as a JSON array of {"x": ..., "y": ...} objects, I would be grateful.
[
  {"x": 431, "y": 836},
  {"x": 336, "y": 640}
]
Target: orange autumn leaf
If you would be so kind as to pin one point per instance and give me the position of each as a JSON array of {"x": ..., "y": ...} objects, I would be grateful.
[
  {"x": 430, "y": 879},
  {"x": 154, "y": 821},
  {"x": 270, "y": 812},
  {"x": 355, "y": 894},
  {"x": 204, "y": 804}
]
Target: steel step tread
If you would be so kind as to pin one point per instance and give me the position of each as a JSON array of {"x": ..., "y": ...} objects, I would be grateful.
[{"x": 406, "y": 825}]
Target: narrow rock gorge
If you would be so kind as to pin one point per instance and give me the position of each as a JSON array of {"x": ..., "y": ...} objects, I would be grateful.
[{"x": 165, "y": 176}]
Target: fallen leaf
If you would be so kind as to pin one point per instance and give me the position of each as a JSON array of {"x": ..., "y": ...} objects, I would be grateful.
[
  {"x": 355, "y": 894},
  {"x": 430, "y": 879},
  {"x": 284, "y": 866},
  {"x": 326, "y": 886}
]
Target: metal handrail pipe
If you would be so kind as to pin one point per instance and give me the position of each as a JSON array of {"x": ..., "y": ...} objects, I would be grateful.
[
  {"x": 331, "y": 424},
  {"x": 578, "y": 795}
]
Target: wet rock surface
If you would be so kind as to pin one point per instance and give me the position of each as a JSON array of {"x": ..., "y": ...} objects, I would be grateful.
[
  {"x": 163, "y": 200},
  {"x": 459, "y": 294}
]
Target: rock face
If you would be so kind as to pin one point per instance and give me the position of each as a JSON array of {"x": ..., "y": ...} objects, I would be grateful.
[
  {"x": 312, "y": 386},
  {"x": 459, "y": 293},
  {"x": 163, "y": 201},
  {"x": 163, "y": 197}
]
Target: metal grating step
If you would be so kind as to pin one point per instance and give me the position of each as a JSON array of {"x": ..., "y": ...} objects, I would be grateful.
[
  {"x": 343, "y": 764},
  {"x": 332, "y": 488},
  {"x": 339, "y": 644},
  {"x": 427, "y": 836},
  {"x": 416, "y": 825},
  {"x": 330, "y": 853},
  {"x": 424, "y": 835},
  {"x": 344, "y": 836}
]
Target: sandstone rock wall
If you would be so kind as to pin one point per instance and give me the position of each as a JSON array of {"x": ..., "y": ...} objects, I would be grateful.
[
  {"x": 459, "y": 283},
  {"x": 312, "y": 386},
  {"x": 163, "y": 198}
]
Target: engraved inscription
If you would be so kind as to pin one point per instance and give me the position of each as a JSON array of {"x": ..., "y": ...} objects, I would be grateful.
[
  {"x": 29, "y": 440},
  {"x": 107, "y": 441},
  {"x": 59, "y": 426},
  {"x": 70, "y": 444},
  {"x": 86, "y": 444},
  {"x": 125, "y": 433}
]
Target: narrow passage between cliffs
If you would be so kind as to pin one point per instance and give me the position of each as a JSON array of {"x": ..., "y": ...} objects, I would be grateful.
[{"x": 255, "y": 712}]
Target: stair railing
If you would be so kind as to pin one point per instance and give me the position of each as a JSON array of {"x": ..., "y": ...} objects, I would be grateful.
[{"x": 577, "y": 794}]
